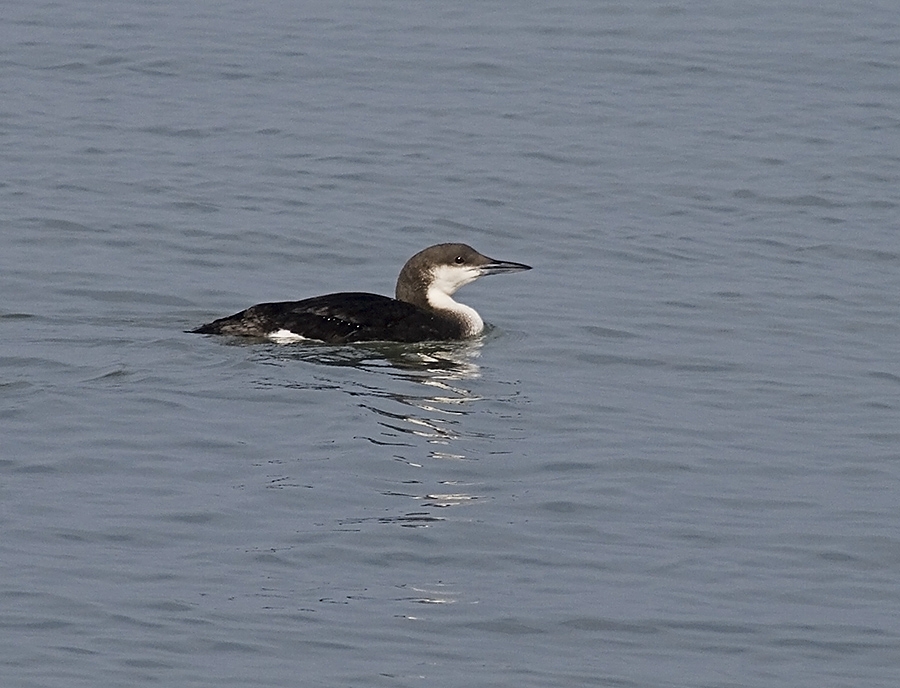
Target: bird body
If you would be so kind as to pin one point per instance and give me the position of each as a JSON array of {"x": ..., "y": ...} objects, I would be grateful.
[{"x": 423, "y": 310}]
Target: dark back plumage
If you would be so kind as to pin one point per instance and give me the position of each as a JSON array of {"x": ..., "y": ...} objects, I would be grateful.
[{"x": 339, "y": 319}]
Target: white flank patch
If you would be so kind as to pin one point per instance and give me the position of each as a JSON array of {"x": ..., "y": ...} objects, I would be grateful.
[{"x": 285, "y": 337}]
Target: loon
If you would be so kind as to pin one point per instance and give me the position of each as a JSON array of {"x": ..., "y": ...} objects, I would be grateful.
[{"x": 423, "y": 310}]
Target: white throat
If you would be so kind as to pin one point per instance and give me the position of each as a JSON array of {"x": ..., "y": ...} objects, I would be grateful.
[
  {"x": 442, "y": 301},
  {"x": 445, "y": 280}
]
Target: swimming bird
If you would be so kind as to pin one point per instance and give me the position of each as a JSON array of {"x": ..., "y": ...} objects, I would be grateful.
[{"x": 423, "y": 308}]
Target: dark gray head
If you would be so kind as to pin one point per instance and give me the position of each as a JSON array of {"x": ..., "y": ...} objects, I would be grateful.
[{"x": 432, "y": 276}]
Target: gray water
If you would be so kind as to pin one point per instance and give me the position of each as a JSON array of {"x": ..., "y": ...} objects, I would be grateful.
[{"x": 673, "y": 460}]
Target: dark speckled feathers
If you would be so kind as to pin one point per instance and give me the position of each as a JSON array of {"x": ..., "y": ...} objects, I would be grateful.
[{"x": 339, "y": 318}]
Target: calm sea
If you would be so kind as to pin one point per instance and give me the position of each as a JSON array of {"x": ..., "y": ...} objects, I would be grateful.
[{"x": 674, "y": 459}]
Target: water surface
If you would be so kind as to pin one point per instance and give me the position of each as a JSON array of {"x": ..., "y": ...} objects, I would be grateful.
[{"x": 672, "y": 460}]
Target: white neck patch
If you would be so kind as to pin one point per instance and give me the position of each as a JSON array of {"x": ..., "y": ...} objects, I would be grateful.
[{"x": 442, "y": 301}]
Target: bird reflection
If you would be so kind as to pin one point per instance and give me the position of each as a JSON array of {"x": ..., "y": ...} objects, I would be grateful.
[{"x": 422, "y": 422}]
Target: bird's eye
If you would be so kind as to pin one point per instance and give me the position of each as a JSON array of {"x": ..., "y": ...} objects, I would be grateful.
[{"x": 459, "y": 260}]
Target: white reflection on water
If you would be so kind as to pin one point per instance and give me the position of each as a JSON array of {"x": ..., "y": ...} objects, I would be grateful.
[{"x": 421, "y": 399}]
